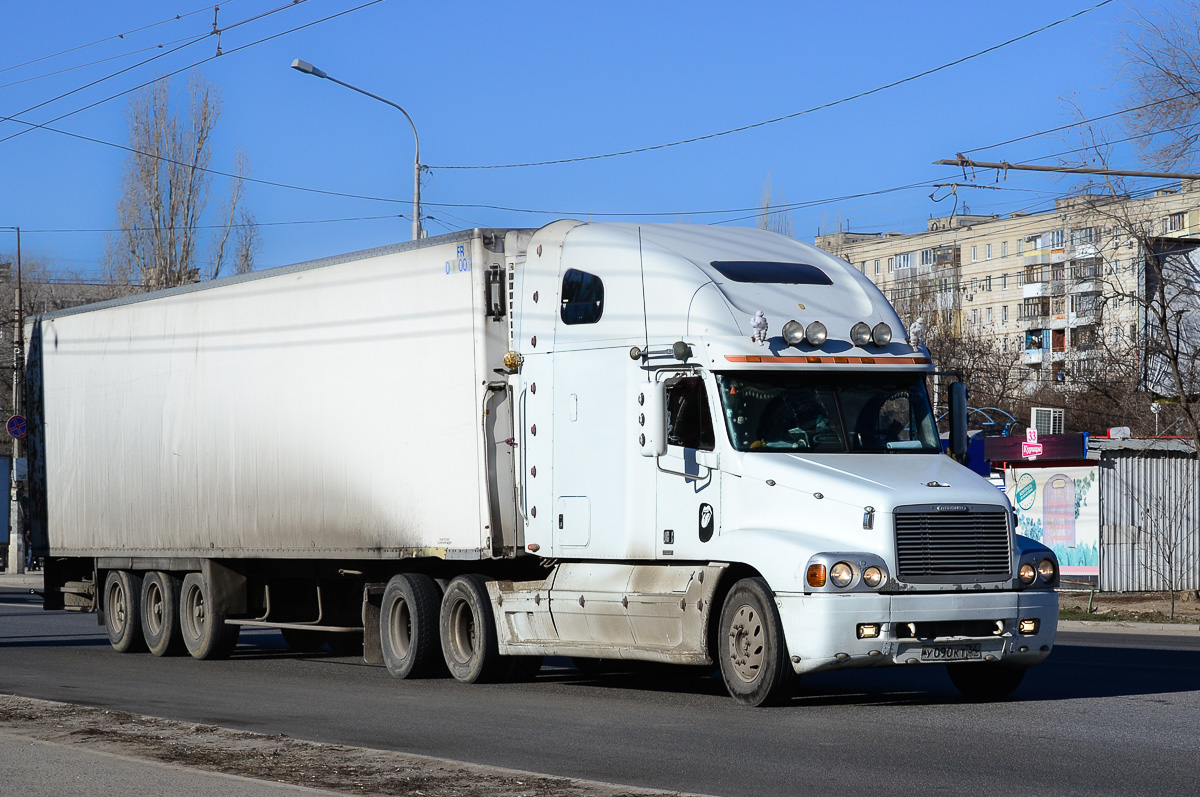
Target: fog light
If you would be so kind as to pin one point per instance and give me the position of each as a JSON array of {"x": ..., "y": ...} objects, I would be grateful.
[
  {"x": 860, "y": 334},
  {"x": 868, "y": 630},
  {"x": 881, "y": 334},
  {"x": 816, "y": 575},
  {"x": 1026, "y": 574},
  {"x": 816, "y": 333},
  {"x": 873, "y": 577},
  {"x": 841, "y": 574},
  {"x": 793, "y": 332},
  {"x": 1028, "y": 627},
  {"x": 1047, "y": 570}
]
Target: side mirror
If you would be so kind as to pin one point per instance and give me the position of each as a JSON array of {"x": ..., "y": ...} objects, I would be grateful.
[
  {"x": 650, "y": 418},
  {"x": 958, "y": 419}
]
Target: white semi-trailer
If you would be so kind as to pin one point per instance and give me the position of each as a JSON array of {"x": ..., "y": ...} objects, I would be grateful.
[{"x": 684, "y": 444}]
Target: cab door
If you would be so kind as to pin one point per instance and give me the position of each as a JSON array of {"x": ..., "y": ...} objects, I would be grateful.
[{"x": 688, "y": 479}]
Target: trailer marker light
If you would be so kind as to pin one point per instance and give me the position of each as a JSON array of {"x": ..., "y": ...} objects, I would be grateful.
[
  {"x": 533, "y": 547},
  {"x": 816, "y": 575}
]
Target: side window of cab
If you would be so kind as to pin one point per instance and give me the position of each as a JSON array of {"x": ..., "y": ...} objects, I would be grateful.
[
  {"x": 689, "y": 420},
  {"x": 582, "y": 298}
]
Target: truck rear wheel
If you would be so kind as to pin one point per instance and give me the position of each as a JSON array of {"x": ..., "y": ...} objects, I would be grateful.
[
  {"x": 122, "y": 601},
  {"x": 468, "y": 627},
  {"x": 751, "y": 648},
  {"x": 160, "y": 613},
  {"x": 408, "y": 626},
  {"x": 985, "y": 680},
  {"x": 204, "y": 632}
]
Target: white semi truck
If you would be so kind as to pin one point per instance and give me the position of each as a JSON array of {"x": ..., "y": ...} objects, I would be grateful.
[{"x": 673, "y": 443}]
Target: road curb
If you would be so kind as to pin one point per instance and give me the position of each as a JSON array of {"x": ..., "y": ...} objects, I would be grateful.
[{"x": 1121, "y": 627}]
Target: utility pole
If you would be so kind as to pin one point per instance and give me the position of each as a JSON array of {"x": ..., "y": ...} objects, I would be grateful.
[{"x": 16, "y": 539}]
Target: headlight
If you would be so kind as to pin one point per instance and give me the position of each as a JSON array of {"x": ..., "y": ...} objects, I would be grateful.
[
  {"x": 1027, "y": 574},
  {"x": 881, "y": 334},
  {"x": 1047, "y": 570},
  {"x": 841, "y": 574},
  {"x": 860, "y": 334},
  {"x": 873, "y": 577},
  {"x": 793, "y": 332},
  {"x": 816, "y": 333}
]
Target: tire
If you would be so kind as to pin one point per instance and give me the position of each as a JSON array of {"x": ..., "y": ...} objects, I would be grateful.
[
  {"x": 468, "y": 630},
  {"x": 160, "y": 614},
  {"x": 985, "y": 680},
  {"x": 303, "y": 640},
  {"x": 409, "y": 626},
  {"x": 750, "y": 646},
  {"x": 205, "y": 633},
  {"x": 122, "y": 611}
]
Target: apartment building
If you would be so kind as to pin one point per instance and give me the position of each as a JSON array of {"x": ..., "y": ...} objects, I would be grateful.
[{"x": 1052, "y": 288}]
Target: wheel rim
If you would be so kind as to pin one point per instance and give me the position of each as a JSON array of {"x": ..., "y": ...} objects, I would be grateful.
[
  {"x": 746, "y": 644},
  {"x": 154, "y": 608},
  {"x": 194, "y": 612},
  {"x": 462, "y": 632},
  {"x": 118, "y": 609},
  {"x": 400, "y": 628}
]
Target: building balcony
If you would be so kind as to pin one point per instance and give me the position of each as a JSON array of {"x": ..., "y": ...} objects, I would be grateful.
[
  {"x": 1034, "y": 290},
  {"x": 1033, "y": 357}
]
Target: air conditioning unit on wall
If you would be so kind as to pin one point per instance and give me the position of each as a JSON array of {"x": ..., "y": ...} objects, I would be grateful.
[{"x": 1047, "y": 420}]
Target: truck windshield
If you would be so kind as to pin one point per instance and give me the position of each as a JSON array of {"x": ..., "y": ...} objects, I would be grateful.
[{"x": 823, "y": 412}]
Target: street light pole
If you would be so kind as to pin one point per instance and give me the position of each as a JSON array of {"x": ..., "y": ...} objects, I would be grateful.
[
  {"x": 16, "y": 537},
  {"x": 309, "y": 69}
]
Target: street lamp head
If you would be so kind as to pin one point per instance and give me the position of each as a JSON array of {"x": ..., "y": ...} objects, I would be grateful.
[{"x": 307, "y": 68}]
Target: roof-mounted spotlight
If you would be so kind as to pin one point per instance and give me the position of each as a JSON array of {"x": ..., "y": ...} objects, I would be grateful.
[
  {"x": 816, "y": 333},
  {"x": 860, "y": 334},
  {"x": 793, "y": 332},
  {"x": 881, "y": 334}
]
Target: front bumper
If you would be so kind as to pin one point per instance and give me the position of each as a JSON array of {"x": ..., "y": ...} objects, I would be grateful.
[{"x": 821, "y": 629}]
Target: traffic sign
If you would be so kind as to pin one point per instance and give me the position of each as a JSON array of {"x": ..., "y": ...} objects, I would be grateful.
[{"x": 17, "y": 427}]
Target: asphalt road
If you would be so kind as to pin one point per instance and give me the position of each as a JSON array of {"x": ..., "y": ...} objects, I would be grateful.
[{"x": 1106, "y": 714}]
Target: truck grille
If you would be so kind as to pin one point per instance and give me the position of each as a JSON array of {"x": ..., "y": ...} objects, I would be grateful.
[{"x": 960, "y": 543}]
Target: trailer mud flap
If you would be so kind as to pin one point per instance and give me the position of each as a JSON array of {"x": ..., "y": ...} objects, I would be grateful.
[{"x": 226, "y": 586}]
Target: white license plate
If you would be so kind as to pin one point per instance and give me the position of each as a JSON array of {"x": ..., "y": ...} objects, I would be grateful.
[{"x": 961, "y": 652}]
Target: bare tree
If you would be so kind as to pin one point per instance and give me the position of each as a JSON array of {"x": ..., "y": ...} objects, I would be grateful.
[
  {"x": 774, "y": 215},
  {"x": 165, "y": 193}
]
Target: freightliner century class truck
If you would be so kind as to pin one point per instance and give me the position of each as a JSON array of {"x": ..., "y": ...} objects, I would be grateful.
[{"x": 684, "y": 444}]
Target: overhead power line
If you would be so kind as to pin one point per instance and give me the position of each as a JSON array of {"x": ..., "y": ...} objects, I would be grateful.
[{"x": 786, "y": 117}]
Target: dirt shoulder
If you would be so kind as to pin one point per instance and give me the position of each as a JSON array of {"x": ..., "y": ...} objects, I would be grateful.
[
  {"x": 1134, "y": 607},
  {"x": 348, "y": 770}
]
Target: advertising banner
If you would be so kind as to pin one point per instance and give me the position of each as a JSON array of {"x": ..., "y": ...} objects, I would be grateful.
[{"x": 1060, "y": 508}]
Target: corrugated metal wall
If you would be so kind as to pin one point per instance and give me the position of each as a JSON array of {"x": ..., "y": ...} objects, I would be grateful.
[{"x": 1149, "y": 521}]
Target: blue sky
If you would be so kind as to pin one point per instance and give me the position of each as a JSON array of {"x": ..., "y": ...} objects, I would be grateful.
[{"x": 493, "y": 83}]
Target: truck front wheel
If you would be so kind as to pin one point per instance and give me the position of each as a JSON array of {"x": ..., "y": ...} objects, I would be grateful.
[
  {"x": 751, "y": 648},
  {"x": 469, "y": 643},
  {"x": 160, "y": 613},
  {"x": 122, "y": 601},
  {"x": 204, "y": 631},
  {"x": 408, "y": 626}
]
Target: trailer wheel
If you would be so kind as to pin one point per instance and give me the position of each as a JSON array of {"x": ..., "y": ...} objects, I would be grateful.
[
  {"x": 160, "y": 614},
  {"x": 468, "y": 627},
  {"x": 408, "y": 626},
  {"x": 753, "y": 655},
  {"x": 985, "y": 680},
  {"x": 204, "y": 632},
  {"x": 122, "y": 601}
]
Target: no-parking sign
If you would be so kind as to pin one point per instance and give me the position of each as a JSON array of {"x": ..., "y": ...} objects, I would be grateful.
[{"x": 17, "y": 427}]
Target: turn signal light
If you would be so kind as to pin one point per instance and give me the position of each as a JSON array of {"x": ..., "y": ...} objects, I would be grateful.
[{"x": 816, "y": 575}]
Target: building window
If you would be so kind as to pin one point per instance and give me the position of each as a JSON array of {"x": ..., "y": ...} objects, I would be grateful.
[
  {"x": 1003, "y": 282},
  {"x": 1057, "y": 238},
  {"x": 1020, "y": 246},
  {"x": 1004, "y": 344},
  {"x": 1083, "y": 235},
  {"x": 987, "y": 252},
  {"x": 903, "y": 261},
  {"x": 974, "y": 315},
  {"x": 927, "y": 257},
  {"x": 876, "y": 268},
  {"x": 1004, "y": 313},
  {"x": 1175, "y": 222},
  {"x": 945, "y": 284},
  {"x": 1004, "y": 249},
  {"x": 974, "y": 284},
  {"x": 891, "y": 264},
  {"x": 863, "y": 267},
  {"x": 987, "y": 283},
  {"x": 974, "y": 253},
  {"x": 988, "y": 314}
]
